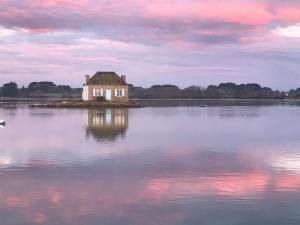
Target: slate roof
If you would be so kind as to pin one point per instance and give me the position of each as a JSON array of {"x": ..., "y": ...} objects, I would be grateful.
[{"x": 106, "y": 78}]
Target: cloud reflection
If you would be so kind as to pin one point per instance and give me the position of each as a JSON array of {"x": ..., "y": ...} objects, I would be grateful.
[
  {"x": 175, "y": 165},
  {"x": 69, "y": 194}
]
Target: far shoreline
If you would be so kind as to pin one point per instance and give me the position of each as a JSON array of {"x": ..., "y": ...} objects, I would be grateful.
[
  {"x": 141, "y": 103},
  {"x": 154, "y": 99}
]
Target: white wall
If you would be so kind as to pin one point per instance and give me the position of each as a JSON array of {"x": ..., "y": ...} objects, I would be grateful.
[{"x": 85, "y": 93}]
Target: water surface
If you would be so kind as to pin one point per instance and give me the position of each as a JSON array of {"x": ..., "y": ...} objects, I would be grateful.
[{"x": 217, "y": 165}]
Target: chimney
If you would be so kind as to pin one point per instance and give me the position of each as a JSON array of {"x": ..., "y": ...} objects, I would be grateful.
[
  {"x": 87, "y": 78},
  {"x": 123, "y": 77}
]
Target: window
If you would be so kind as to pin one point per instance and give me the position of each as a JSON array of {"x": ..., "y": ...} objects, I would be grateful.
[
  {"x": 118, "y": 92},
  {"x": 97, "y": 92}
]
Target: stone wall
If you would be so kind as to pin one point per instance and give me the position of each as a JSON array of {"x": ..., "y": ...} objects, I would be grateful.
[{"x": 114, "y": 98}]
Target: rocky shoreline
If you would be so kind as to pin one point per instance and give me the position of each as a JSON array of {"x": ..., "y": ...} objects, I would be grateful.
[{"x": 82, "y": 104}]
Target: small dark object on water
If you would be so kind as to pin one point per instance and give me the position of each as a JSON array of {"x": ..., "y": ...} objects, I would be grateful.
[{"x": 2, "y": 122}]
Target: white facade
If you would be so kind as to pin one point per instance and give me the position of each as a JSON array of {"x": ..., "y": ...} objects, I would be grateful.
[
  {"x": 108, "y": 94},
  {"x": 103, "y": 92},
  {"x": 85, "y": 93}
]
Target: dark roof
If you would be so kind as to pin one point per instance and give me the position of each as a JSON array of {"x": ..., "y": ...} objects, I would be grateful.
[{"x": 107, "y": 78}]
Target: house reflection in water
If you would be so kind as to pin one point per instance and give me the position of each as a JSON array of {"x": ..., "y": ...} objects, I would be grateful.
[{"x": 106, "y": 124}]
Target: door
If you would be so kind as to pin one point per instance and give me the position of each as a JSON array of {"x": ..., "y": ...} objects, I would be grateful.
[{"x": 108, "y": 94}]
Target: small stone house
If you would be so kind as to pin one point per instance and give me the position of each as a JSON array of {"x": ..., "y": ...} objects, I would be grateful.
[{"x": 105, "y": 85}]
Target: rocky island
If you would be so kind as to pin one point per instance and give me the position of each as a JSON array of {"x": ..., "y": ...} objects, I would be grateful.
[{"x": 86, "y": 104}]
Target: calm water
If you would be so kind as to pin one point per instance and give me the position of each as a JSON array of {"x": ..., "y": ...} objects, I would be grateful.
[{"x": 233, "y": 165}]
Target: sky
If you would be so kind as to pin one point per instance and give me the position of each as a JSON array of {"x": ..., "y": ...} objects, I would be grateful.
[{"x": 180, "y": 42}]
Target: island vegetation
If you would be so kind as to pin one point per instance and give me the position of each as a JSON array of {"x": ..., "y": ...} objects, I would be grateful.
[{"x": 48, "y": 89}]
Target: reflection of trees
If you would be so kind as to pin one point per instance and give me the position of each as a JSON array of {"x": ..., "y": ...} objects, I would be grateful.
[
  {"x": 106, "y": 124},
  {"x": 10, "y": 111},
  {"x": 41, "y": 113},
  {"x": 234, "y": 112}
]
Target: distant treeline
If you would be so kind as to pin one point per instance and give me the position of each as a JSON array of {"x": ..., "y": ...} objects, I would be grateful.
[
  {"x": 43, "y": 89},
  {"x": 223, "y": 91}
]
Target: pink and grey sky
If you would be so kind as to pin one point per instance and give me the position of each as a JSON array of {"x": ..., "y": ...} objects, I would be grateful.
[{"x": 182, "y": 42}]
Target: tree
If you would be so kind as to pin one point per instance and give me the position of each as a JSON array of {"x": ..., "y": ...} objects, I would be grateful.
[
  {"x": 33, "y": 86},
  {"x": 46, "y": 86},
  {"x": 10, "y": 90},
  {"x": 63, "y": 89},
  {"x": 43, "y": 86}
]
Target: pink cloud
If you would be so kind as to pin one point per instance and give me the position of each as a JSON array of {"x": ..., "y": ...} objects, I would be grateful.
[
  {"x": 116, "y": 30},
  {"x": 233, "y": 11},
  {"x": 49, "y": 4},
  {"x": 244, "y": 12},
  {"x": 288, "y": 14},
  {"x": 41, "y": 30},
  {"x": 229, "y": 11},
  {"x": 150, "y": 22}
]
